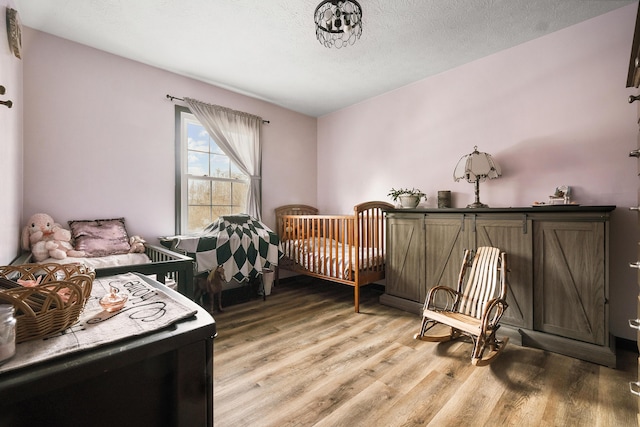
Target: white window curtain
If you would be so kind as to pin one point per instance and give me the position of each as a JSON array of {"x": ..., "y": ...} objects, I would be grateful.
[{"x": 238, "y": 134}]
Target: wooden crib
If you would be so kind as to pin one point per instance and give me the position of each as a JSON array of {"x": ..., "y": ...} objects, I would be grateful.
[{"x": 348, "y": 249}]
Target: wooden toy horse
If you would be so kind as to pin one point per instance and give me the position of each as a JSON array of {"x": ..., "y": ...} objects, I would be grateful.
[{"x": 211, "y": 285}]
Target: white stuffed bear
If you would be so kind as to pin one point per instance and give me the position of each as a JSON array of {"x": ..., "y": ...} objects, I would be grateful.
[
  {"x": 47, "y": 239},
  {"x": 137, "y": 244}
]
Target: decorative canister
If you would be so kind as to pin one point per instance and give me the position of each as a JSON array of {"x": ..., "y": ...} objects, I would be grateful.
[
  {"x": 7, "y": 332},
  {"x": 444, "y": 199}
]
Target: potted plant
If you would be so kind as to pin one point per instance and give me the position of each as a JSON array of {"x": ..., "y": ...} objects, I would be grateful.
[{"x": 407, "y": 198}]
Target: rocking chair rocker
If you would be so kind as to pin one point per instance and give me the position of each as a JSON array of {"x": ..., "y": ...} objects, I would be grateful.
[{"x": 475, "y": 311}]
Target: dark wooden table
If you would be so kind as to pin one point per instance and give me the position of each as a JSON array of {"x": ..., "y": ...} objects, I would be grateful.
[{"x": 164, "y": 378}]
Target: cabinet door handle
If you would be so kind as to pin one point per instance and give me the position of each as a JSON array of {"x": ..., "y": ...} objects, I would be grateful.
[
  {"x": 634, "y": 153},
  {"x": 634, "y": 323},
  {"x": 634, "y": 208},
  {"x": 633, "y": 98},
  {"x": 634, "y": 387},
  {"x": 635, "y": 264}
]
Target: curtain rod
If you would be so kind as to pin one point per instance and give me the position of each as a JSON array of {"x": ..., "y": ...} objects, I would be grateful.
[{"x": 171, "y": 98}]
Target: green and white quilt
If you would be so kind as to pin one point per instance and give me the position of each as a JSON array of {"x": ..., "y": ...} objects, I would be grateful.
[{"x": 240, "y": 243}]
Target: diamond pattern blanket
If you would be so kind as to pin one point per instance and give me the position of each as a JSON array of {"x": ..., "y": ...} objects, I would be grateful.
[{"x": 240, "y": 243}]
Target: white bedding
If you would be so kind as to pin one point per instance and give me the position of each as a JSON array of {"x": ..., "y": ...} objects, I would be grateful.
[
  {"x": 105, "y": 261},
  {"x": 327, "y": 256},
  {"x": 114, "y": 261}
]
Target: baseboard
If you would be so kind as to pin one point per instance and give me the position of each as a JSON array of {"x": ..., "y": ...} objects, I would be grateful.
[
  {"x": 602, "y": 355},
  {"x": 401, "y": 303}
]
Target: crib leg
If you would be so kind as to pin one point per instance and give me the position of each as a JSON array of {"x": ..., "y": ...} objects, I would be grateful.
[{"x": 356, "y": 297}]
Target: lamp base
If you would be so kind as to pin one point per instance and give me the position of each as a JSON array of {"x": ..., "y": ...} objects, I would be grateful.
[{"x": 477, "y": 205}]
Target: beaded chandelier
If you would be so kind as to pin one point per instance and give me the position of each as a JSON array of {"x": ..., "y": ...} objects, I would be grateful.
[{"x": 338, "y": 22}]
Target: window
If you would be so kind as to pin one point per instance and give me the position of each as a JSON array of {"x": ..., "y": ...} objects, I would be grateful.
[{"x": 210, "y": 184}]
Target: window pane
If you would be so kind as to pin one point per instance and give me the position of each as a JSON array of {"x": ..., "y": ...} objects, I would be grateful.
[
  {"x": 221, "y": 193},
  {"x": 197, "y": 163},
  {"x": 198, "y": 218},
  {"x": 214, "y": 147},
  {"x": 218, "y": 211},
  {"x": 197, "y": 137},
  {"x": 219, "y": 166},
  {"x": 236, "y": 173},
  {"x": 240, "y": 190},
  {"x": 199, "y": 192}
]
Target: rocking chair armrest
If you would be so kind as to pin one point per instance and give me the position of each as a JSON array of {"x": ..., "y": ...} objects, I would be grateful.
[
  {"x": 435, "y": 289},
  {"x": 500, "y": 304},
  {"x": 452, "y": 293}
]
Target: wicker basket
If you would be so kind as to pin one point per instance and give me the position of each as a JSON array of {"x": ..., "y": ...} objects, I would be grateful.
[{"x": 51, "y": 306}]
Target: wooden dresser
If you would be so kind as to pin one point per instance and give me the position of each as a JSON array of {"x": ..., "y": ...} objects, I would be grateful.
[
  {"x": 558, "y": 261},
  {"x": 633, "y": 80},
  {"x": 162, "y": 378}
]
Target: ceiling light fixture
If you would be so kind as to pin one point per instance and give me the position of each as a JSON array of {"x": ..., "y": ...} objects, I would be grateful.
[{"x": 338, "y": 22}]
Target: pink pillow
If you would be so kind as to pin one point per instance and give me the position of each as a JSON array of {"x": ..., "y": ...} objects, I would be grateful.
[{"x": 100, "y": 237}]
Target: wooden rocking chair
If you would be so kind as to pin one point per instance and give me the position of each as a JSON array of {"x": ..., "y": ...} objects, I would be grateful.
[{"x": 474, "y": 311}]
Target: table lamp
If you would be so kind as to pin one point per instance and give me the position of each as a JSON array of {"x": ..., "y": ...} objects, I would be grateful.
[{"x": 476, "y": 167}]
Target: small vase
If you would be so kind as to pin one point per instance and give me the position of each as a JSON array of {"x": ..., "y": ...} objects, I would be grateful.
[
  {"x": 409, "y": 201},
  {"x": 267, "y": 280}
]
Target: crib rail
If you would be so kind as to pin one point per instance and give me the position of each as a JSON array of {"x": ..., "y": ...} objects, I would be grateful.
[
  {"x": 339, "y": 247},
  {"x": 165, "y": 265},
  {"x": 319, "y": 242}
]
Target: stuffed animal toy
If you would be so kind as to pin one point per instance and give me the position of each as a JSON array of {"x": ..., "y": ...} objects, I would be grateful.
[
  {"x": 137, "y": 244},
  {"x": 212, "y": 285},
  {"x": 47, "y": 239}
]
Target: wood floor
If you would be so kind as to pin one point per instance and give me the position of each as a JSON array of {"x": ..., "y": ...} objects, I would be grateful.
[{"x": 304, "y": 358}]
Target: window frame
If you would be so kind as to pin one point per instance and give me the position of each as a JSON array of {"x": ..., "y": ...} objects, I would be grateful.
[{"x": 181, "y": 170}]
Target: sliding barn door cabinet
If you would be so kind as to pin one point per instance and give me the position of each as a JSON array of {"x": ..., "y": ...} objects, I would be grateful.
[{"x": 557, "y": 259}]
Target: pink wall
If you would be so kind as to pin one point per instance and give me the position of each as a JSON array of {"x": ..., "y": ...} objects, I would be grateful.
[
  {"x": 99, "y": 138},
  {"x": 10, "y": 147},
  {"x": 552, "y": 111}
]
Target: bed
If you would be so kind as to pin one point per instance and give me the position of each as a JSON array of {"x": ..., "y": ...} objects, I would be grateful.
[
  {"x": 164, "y": 265},
  {"x": 348, "y": 249}
]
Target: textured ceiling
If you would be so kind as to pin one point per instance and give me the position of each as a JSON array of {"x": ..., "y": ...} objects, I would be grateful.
[{"x": 267, "y": 48}]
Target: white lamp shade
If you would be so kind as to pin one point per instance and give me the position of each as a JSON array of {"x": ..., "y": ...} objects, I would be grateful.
[{"x": 476, "y": 167}]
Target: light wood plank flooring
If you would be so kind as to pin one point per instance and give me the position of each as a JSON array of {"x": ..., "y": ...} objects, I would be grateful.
[{"x": 304, "y": 358}]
